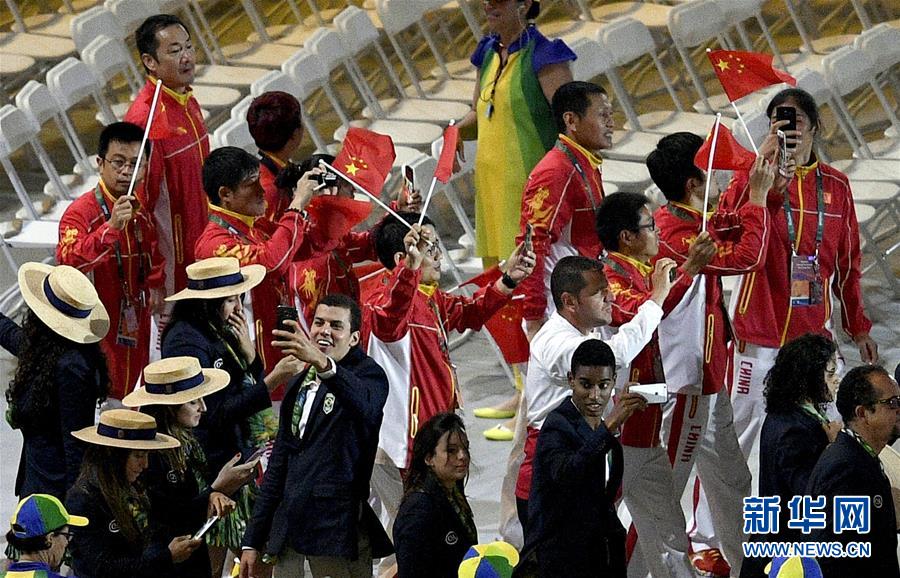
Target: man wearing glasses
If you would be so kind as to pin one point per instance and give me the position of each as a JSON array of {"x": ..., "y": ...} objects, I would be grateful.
[
  {"x": 174, "y": 188},
  {"x": 107, "y": 233},
  {"x": 628, "y": 232},
  {"x": 41, "y": 531},
  {"x": 869, "y": 403}
]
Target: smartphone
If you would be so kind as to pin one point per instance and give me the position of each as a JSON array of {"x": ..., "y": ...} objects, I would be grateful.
[
  {"x": 673, "y": 272},
  {"x": 782, "y": 152},
  {"x": 282, "y": 314},
  {"x": 652, "y": 392},
  {"x": 529, "y": 232},
  {"x": 788, "y": 113},
  {"x": 205, "y": 528},
  {"x": 409, "y": 181}
]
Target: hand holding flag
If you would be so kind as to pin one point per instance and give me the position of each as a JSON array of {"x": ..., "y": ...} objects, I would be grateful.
[
  {"x": 724, "y": 151},
  {"x": 366, "y": 159},
  {"x": 444, "y": 167}
]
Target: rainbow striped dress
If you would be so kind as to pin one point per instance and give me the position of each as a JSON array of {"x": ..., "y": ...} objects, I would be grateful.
[{"x": 515, "y": 130}]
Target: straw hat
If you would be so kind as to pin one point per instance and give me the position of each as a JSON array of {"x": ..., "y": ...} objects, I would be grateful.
[
  {"x": 219, "y": 277},
  {"x": 176, "y": 380},
  {"x": 65, "y": 300},
  {"x": 123, "y": 428}
]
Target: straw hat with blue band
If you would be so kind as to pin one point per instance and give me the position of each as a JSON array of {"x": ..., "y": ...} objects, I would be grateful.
[
  {"x": 176, "y": 380},
  {"x": 219, "y": 277},
  {"x": 65, "y": 300},
  {"x": 40, "y": 514},
  {"x": 124, "y": 428}
]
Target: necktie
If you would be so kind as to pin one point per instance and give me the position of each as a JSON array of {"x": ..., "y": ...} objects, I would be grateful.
[{"x": 297, "y": 414}]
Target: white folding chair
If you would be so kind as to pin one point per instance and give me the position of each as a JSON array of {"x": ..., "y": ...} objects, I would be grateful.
[
  {"x": 234, "y": 132},
  {"x": 882, "y": 44},
  {"x": 47, "y": 23},
  {"x": 42, "y": 48},
  {"x": 71, "y": 81}
]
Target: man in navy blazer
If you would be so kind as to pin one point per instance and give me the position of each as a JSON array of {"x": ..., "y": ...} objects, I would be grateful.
[{"x": 313, "y": 502}]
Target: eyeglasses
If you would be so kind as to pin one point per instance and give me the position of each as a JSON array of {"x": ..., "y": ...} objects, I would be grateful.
[
  {"x": 651, "y": 225},
  {"x": 69, "y": 535},
  {"x": 890, "y": 402},
  {"x": 119, "y": 164}
]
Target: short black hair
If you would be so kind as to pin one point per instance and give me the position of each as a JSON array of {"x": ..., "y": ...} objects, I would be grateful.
[
  {"x": 856, "y": 389},
  {"x": 568, "y": 276},
  {"x": 804, "y": 101},
  {"x": 671, "y": 163},
  {"x": 593, "y": 353},
  {"x": 617, "y": 213},
  {"x": 145, "y": 35},
  {"x": 574, "y": 97},
  {"x": 30, "y": 545},
  {"x": 389, "y": 234},
  {"x": 344, "y": 302},
  {"x": 121, "y": 132},
  {"x": 226, "y": 167}
]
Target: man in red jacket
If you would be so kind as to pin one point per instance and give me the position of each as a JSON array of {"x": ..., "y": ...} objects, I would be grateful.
[
  {"x": 406, "y": 328},
  {"x": 235, "y": 229},
  {"x": 694, "y": 337},
  {"x": 108, "y": 234},
  {"x": 628, "y": 232},
  {"x": 174, "y": 183}
]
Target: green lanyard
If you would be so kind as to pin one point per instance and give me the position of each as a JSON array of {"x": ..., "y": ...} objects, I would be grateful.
[
  {"x": 811, "y": 410},
  {"x": 869, "y": 449},
  {"x": 214, "y": 218},
  {"x": 120, "y": 265},
  {"x": 578, "y": 168},
  {"x": 820, "y": 215}
]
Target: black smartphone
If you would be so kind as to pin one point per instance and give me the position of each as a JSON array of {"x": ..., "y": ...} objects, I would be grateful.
[
  {"x": 672, "y": 274},
  {"x": 788, "y": 113},
  {"x": 282, "y": 314},
  {"x": 529, "y": 232}
]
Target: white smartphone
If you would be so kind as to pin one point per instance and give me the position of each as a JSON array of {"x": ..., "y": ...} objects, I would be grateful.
[
  {"x": 652, "y": 392},
  {"x": 205, "y": 528},
  {"x": 409, "y": 181}
]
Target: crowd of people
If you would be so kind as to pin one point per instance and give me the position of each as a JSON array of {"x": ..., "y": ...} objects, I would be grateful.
[{"x": 289, "y": 419}]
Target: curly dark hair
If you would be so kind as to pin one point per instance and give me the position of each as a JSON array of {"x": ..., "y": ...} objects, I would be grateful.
[
  {"x": 425, "y": 444},
  {"x": 799, "y": 374},
  {"x": 30, "y": 393}
]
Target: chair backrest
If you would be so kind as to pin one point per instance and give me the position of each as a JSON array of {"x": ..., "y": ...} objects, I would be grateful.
[
  {"x": 306, "y": 69},
  {"x": 130, "y": 13},
  {"x": 70, "y": 81},
  {"x": 398, "y": 15},
  {"x": 356, "y": 29},
  {"x": 882, "y": 44},
  {"x": 274, "y": 80},
  {"x": 107, "y": 57},
  {"x": 695, "y": 22},
  {"x": 626, "y": 39},
  {"x": 236, "y": 133},
  {"x": 328, "y": 47},
  {"x": 739, "y": 10},
  {"x": 593, "y": 59},
  {"x": 239, "y": 111},
  {"x": 93, "y": 22},
  {"x": 847, "y": 69},
  {"x": 35, "y": 100},
  {"x": 16, "y": 130}
]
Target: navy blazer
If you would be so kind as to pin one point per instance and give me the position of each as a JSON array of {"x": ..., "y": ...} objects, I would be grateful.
[
  {"x": 102, "y": 551},
  {"x": 430, "y": 538},
  {"x": 572, "y": 521},
  {"x": 315, "y": 492},
  {"x": 51, "y": 456},
  {"x": 789, "y": 447},
  {"x": 847, "y": 469},
  {"x": 223, "y": 430}
]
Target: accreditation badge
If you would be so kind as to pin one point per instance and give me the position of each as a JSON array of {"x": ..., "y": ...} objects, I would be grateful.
[
  {"x": 127, "y": 333},
  {"x": 806, "y": 284}
]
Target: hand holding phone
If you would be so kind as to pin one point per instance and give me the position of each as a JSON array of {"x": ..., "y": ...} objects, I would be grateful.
[
  {"x": 409, "y": 181},
  {"x": 529, "y": 233},
  {"x": 788, "y": 113},
  {"x": 783, "y": 154},
  {"x": 205, "y": 527},
  {"x": 284, "y": 313}
]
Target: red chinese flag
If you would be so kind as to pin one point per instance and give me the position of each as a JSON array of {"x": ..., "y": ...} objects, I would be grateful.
[
  {"x": 744, "y": 72},
  {"x": 366, "y": 158},
  {"x": 505, "y": 326},
  {"x": 448, "y": 154},
  {"x": 336, "y": 216},
  {"x": 730, "y": 155}
]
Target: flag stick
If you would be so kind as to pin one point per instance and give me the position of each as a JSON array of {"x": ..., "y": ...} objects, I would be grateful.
[
  {"x": 712, "y": 155},
  {"x": 134, "y": 173},
  {"x": 746, "y": 130},
  {"x": 365, "y": 192},
  {"x": 433, "y": 182}
]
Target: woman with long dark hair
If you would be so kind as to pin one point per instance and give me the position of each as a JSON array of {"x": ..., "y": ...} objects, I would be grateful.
[
  {"x": 435, "y": 526},
  {"x": 795, "y": 432},
  {"x": 124, "y": 538},
  {"x": 208, "y": 323},
  {"x": 61, "y": 377},
  {"x": 177, "y": 479}
]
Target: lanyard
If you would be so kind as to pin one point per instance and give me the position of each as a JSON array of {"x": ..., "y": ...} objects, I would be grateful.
[
  {"x": 811, "y": 410},
  {"x": 869, "y": 449},
  {"x": 587, "y": 185},
  {"x": 98, "y": 196},
  {"x": 820, "y": 215}
]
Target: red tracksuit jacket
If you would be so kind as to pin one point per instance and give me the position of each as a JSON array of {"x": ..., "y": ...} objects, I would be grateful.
[
  {"x": 763, "y": 315},
  {"x": 88, "y": 243},
  {"x": 174, "y": 183}
]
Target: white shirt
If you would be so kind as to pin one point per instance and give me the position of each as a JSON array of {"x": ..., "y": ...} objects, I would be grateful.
[
  {"x": 311, "y": 395},
  {"x": 546, "y": 383}
]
